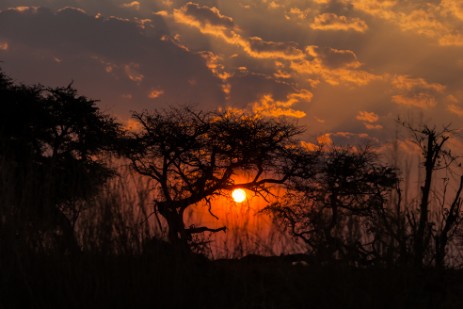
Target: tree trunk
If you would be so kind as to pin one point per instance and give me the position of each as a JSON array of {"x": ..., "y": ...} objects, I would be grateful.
[{"x": 420, "y": 237}]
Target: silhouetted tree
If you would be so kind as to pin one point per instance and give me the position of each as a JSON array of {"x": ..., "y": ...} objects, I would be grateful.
[
  {"x": 51, "y": 139},
  {"x": 194, "y": 156},
  {"x": 332, "y": 207},
  {"x": 436, "y": 156}
]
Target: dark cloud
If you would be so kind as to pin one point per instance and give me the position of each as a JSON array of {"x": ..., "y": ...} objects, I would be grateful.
[
  {"x": 210, "y": 15},
  {"x": 112, "y": 57}
]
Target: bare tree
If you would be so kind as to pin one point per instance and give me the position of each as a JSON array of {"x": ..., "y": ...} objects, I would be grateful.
[
  {"x": 436, "y": 156},
  {"x": 194, "y": 156}
]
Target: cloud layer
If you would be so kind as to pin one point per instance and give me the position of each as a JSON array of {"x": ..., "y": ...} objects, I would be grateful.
[{"x": 343, "y": 67}]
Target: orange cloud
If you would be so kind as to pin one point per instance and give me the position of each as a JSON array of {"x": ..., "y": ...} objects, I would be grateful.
[
  {"x": 155, "y": 93},
  {"x": 4, "y": 45},
  {"x": 405, "y": 82},
  {"x": 132, "y": 5},
  {"x": 379, "y": 8},
  {"x": 453, "y": 7},
  {"x": 421, "y": 100},
  {"x": 131, "y": 70},
  {"x": 367, "y": 116},
  {"x": 416, "y": 92},
  {"x": 451, "y": 40},
  {"x": 334, "y": 66},
  {"x": 213, "y": 63},
  {"x": 440, "y": 21},
  {"x": 211, "y": 22},
  {"x": 331, "y": 21},
  {"x": 369, "y": 120},
  {"x": 268, "y": 106},
  {"x": 456, "y": 109},
  {"x": 24, "y": 8}
]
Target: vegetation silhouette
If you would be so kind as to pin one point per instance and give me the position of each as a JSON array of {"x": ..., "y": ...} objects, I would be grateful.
[
  {"x": 194, "y": 156},
  {"x": 79, "y": 196}
]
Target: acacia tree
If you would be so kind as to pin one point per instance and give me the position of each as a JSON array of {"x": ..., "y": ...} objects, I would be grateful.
[
  {"x": 194, "y": 156},
  {"x": 51, "y": 139},
  {"x": 332, "y": 206}
]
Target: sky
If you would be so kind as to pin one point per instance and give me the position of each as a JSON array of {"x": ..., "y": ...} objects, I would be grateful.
[{"x": 346, "y": 69}]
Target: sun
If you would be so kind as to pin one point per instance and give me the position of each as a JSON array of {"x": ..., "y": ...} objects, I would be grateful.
[{"x": 239, "y": 195}]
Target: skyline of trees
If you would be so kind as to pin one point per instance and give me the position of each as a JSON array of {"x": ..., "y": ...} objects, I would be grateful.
[{"x": 344, "y": 203}]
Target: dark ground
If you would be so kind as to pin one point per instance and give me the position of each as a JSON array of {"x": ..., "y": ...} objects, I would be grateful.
[{"x": 97, "y": 281}]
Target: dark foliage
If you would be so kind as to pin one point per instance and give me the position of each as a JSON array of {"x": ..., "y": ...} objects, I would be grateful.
[{"x": 51, "y": 140}]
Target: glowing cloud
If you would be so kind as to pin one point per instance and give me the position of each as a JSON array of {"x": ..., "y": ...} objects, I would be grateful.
[
  {"x": 211, "y": 22},
  {"x": 456, "y": 109},
  {"x": 133, "y": 5},
  {"x": 367, "y": 117},
  {"x": 331, "y": 21},
  {"x": 4, "y": 45},
  {"x": 421, "y": 100},
  {"x": 155, "y": 93},
  {"x": 131, "y": 70},
  {"x": 268, "y": 106}
]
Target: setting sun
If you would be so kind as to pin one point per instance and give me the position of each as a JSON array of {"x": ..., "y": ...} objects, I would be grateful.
[{"x": 239, "y": 195}]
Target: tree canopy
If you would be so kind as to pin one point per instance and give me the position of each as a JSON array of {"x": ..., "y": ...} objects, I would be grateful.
[{"x": 194, "y": 156}]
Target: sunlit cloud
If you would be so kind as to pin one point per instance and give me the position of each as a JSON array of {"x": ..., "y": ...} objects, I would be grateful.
[
  {"x": 132, "y": 5},
  {"x": 453, "y": 7},
  {"x": 430, "y": 19},
  {"x": 4, "y": 45},
  {"x": 211, "y": 22},
  {"x": 331, "y": 21},
  {"x": 131, "y": 70},
  {"x": 367, "y": 116},
  {"x": 416, "y": 92},
  {"x": 213, "y": 63},
  {"x": 297, "y": 13},
  {"x": 268, "y": 106},
  {"x": 378, "y": 8},
  {"x": 451, "y": 40},
  {"x": 404, "y": 82},
  {"x": 155, "y": 93},
  {"x": 456, "y": 109},
  {"x": 24, "y": 8},
  {"x": 421, "y": 100}
]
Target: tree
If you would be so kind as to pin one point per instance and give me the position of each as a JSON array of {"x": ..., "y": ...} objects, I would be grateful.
[
  {"x": 194, "y": 156},
  {"x": 333, "y": 204},
  {"x": 51, "y": 140},
  {"x": 437, "y": 157}
]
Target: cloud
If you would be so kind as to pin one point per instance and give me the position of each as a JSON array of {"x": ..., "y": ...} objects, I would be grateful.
[
  {"x": 416, "y": 92},
  {"x": 211, "y": 22},
  {"x": 4, "y": 45},
  {"x": 106, "y": 57},
  {"x": 268, "y": 106},
  {"x": 132, "y": 5},
  {"x": 369, "y": 120},
  {"x": 407, "y": 83},
  {"x": 365, "y": 116},
  {"x": 333, "y": 66},
  {"x": 132, "y": 71},
  {"x": 451, "y": 40},
  {"x": 440, "y": 21},
  {"x": 206, "y": 16},
  {"x": 456, "y": 109},
  {"x": 155, "y": 93},
  {"x": 333, "y": 22},
  {"x": 421, "y": 100}
]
